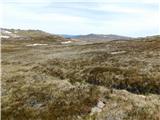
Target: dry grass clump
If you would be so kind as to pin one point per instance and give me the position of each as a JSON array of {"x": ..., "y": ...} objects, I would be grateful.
[
  {"x": 50, "y": 70},
  {"x": 142, "y": 113},
  {"x": 48, "y": 100},
  {"x": 120, "y": 78},
  {"x": 132, "y": 78}
]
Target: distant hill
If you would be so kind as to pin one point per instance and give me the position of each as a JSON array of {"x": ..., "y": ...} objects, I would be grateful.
[
  {"x": 18, "y": 34},
  {"x": 97, "y": 37}
]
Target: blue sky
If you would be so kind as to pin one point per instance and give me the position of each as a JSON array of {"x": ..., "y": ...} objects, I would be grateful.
[{"x": 123, "y": 17}]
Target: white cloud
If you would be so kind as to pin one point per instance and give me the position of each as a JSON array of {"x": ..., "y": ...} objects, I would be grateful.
[
  {"x": 99, "y": 1},
  {"x": 10, "y": 11},
  {"x": 122, "y": 9},
  {"x": 26, "y": 1},
  {"x": 141, "y": 26},
  {"x": 136, "y": 22},
  {"x": 14, "y": 17}
]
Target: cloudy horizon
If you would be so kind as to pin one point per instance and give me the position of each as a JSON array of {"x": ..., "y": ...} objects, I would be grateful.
[{"x": 123, "y": 17}]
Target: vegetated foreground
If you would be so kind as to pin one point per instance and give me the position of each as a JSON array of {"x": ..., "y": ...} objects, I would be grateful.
[{"x": 114, "y": 80}]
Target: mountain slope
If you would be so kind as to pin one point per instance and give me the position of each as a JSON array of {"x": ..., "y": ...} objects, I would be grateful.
[{"x": 37, "y": 35}]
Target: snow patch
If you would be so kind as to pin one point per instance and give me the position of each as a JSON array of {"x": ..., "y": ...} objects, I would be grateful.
[
  {"x": 67, "y": 42},
  {"x": 36, "y": 44},
  {"x": 3, "y": 36},
  {"x": 118, "y": 52},
  {"x": 14, "y": 35},
  {"x": 15, "y": 31},
  {"x": 7, "y": 32}
]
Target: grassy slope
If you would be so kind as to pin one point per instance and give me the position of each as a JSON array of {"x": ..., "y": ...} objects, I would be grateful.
[{"x": 66, "y": 82}]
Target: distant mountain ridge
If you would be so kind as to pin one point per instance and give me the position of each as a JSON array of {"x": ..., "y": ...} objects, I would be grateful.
[{"x": 97, "y": 37}]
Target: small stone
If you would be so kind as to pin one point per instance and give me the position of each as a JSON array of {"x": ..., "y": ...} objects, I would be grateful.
[
  {"x": 100, "y": 104},
  {"x": 95, "y": 110}
]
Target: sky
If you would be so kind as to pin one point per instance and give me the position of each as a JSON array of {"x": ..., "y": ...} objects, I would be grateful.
[{"x": 135, "y": 18}]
